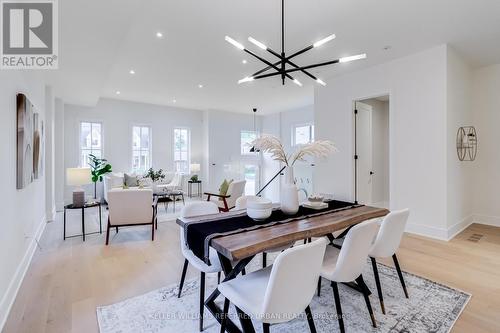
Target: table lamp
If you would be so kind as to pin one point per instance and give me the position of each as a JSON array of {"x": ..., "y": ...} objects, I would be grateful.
[
  {"x": 195, "y": 168},
  {"x": 78, "y": 177}
]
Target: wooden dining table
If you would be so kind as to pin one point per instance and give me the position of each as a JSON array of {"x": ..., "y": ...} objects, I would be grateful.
[{"x": 242, "y": 247}]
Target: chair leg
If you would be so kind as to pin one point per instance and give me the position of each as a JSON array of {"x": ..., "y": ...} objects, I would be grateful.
[
  {"x": 116, "y": 229},
  {"x": 243, "y": 272},
  {"x": 107, "y": 233},
  {"x": 319, "y": 286},
  {"x": 359, "y": 280},
  {"x": 265, "y": 327},
  {"x": 202, "y": 299},
  {"x": 153, "y": 231},
  {"x": 400, "y": 274},
  {"x": 338, "y": 306},
  {"x": 264, "y": 259},
  {"x": 310, "y": 320},
  {"x": 377, "y": 282},
  {"x": 183, "y": 277},
  {"x": 218, "y": 277},
  {"x": 225, "y": 314}
]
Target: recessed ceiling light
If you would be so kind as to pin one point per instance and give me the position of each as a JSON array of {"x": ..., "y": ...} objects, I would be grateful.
[
  {"x": 131, "y": 71},
  {"x": 175, "y": 101},
  {"x": 200, "y": 86},
  {"x": 387, "y": 48},
  {"x": 118, "y": 92},
  {"x": 159, "y": 34},
  {"x": 244, "y": 61}
]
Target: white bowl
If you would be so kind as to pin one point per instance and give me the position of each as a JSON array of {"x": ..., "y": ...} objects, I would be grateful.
[{"x": 259, "y": 208}]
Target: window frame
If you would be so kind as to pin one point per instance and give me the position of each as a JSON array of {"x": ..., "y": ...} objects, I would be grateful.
[
  {"x": 150, "y": 128},
  {"x": 188, "y": 129},
  {"x": 294, "y": 133},
  {"x": 80, "y": 149},
  {"x": 256, "y": 133}
]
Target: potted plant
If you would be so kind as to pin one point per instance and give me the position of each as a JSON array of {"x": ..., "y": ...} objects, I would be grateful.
[
  {"x": 155, "y": 177},
  {"x": 98, "y": 168},
  {"x": 267, "y": 143}
]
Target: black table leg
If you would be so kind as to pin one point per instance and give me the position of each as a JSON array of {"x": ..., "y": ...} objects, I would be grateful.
[
  {"x": 64, "y": 225},
  {"x": 230, "y": 273},
  {"x": 100, "y": 220},
  {"x": 83, "y": 223}
]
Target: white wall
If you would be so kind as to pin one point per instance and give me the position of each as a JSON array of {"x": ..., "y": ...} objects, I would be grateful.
[
  {"x": 486, "y": 105},
  {"x": 459, "y": 173},
  {"x": 417, "y": 88},
  {"x": 23, "y": 211},
  {"x": 118, "y": 117},
  {"x": 380, "y": 150},
  {"x": 59, "y": 146}
]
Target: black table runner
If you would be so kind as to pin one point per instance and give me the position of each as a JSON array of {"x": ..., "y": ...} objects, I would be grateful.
[{"x": 199, "y": 234}]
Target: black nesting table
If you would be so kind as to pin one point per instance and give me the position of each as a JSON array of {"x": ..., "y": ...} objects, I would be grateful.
[
  {"x": 190, "y": 188},
  {"x": 86, "y": 205}
]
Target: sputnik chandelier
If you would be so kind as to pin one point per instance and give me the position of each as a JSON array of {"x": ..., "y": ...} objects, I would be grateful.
[{"x": 280, "y": 66}]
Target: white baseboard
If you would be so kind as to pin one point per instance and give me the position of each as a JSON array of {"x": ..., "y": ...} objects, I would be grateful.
[
  {"x": 16, "y": 281},
  {"x": 487, "y": 219},
  {"x": 427, "y": 231},
  {"x": 51, "y": 215},
  {"x": 460, "y": 226}
]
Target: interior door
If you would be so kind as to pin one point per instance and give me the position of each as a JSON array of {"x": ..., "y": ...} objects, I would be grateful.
[{"x": 364, "y": 151}]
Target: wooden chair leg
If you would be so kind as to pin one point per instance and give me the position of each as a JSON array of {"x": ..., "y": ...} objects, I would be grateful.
[
  {"x": 264, "y": 259},
  {"x": 400, "y": 274},
  {"x": 202, "y": 299},
  {"x": 265, "y": 327},
  {"x": 107, "y": 232},
  {"x": 360, "y": 281},
  {"x": 225, "y": 313},
  {"x": 338, "y": 306},
  {"x": 310, "y": 320},
  {"x": 183, "y": 277},
  {"x": 377, "y": 282}
]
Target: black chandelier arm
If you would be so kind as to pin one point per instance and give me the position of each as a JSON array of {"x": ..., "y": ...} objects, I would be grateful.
[
  {"x": 269, "y": 64},
  {"x": 287, "y": 59},
  {"x": 297, "y": 69}
]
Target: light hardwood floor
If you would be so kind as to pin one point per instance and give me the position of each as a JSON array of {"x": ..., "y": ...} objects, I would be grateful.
[{"x": 67, "y": 280}]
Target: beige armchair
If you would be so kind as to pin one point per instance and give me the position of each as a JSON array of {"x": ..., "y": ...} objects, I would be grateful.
[
  {"x": 228, "y": 201},
  {"x": 130, "y": 207}
]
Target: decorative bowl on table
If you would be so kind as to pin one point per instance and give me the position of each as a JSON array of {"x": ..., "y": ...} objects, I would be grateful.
[
  {"x": 315, "y": 199},
  {"x": 259, "y": 208}
]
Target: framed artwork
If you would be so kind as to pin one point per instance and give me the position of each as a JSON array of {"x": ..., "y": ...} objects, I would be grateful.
[{"x": 25, "y": 141}]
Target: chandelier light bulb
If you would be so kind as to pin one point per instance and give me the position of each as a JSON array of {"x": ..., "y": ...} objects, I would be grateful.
[
  {"x": 246, "y": 79},
  {"x": 297, "y": 82},
  {"x": 235, "y": 43},
  {"x": 352, "y": 58},
  {"x": 321, "y": 82},
  {"x": 257, "y": 43},
  {"x": 324, "y": 40}
]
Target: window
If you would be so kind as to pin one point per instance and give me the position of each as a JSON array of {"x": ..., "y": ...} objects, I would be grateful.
[
  {"x": 141, "y": 148},
  {"x": 251, "y": 176},
  {"x": 246, "y": 139},
  {"x": 182, "y": 150},
  {"x": 302, "y": 134},
  {"x": 90, "y": 141}
]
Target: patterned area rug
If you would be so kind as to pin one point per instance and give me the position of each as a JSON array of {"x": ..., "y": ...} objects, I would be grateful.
[{"x": 432, "y": 307}]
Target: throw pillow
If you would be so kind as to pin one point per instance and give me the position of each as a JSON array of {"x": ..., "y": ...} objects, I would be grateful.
[
  {"x": 224, "y": 187},
  {"x": 130, "y": 181}
]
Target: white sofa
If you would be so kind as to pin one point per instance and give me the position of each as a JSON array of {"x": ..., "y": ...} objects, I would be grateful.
[{"x": 172, "y": 181}]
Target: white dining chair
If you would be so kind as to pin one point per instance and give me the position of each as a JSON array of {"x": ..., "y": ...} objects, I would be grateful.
[
  {"x": 346, "y": 265},
  {"x": 278, "y": 293},
  {"x": 241, "y": 204},
  {"x": 386, "y": 244},
  {"x": 192, "y": 210}
]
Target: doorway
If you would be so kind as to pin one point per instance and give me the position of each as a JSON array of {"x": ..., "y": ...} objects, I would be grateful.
[{"x": 372, "y": 151}]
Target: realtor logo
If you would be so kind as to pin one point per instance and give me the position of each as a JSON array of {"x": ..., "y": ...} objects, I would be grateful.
[{"x": 29, "y": 34}]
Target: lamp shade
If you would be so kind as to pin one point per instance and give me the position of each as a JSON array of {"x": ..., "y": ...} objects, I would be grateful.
[
  {"x": 78, "y": 176},
  {"x": 195, "y": 167}
]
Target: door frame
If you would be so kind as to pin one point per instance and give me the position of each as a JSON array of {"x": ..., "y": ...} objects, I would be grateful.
[{"x": 354, "y": 140}]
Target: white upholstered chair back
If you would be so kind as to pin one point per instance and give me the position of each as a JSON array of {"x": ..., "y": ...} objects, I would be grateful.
[
  {"x": 241, "y": 202},
  {"x": 194, "y": 209},
  {"x": 235, "y": 190},
  {"x": 354, "y": 253},
  {"x": 390, "y": 234},
  {"x": 130, "y": 206},
  {"x": 292, "y": 282}
]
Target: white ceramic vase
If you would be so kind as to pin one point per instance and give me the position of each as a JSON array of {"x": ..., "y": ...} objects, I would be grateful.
[{"x": 289, "y": 195}]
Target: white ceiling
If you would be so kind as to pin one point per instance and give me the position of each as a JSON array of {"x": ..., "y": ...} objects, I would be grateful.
[{"x": 100, "y": 41}]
